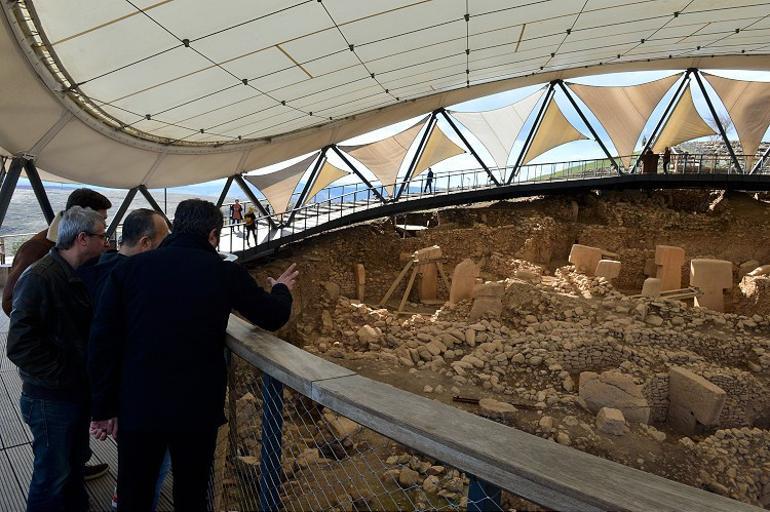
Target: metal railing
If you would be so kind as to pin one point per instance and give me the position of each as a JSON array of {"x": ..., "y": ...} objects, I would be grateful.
[
  {"x": 306, "y": 434},
  {"x": 340, "y": 201}
]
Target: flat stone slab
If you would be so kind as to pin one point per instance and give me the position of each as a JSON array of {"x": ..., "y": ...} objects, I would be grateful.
[{"x": 693, "y": 393}]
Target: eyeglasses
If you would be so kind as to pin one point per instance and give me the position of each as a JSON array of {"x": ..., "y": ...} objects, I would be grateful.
[{"x": 97, "y": 235}]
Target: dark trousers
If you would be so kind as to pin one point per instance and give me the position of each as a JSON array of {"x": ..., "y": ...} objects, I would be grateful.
[
  {"x": 60, "y": 446},
  {"x": 140, "y": 455},
  {"x": 251, "y": 231},
  {"x": 428, "y": 185}
]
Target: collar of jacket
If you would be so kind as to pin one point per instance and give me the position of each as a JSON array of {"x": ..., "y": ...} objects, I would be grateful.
[
  {"x": 188, "y": 240},
  {"x": 69, "y": 272}
]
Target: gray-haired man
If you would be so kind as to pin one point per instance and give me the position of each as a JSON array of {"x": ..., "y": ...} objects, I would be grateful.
[{"x": 47, "y": 339}]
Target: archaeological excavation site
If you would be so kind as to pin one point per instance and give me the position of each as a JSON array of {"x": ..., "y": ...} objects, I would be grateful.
[{"x": 629, "y": 325}]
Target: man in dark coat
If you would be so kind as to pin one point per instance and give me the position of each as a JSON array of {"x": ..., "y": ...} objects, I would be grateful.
[
  {"x": 47, "y": 340},
  {"x": 156, "y": 354}
]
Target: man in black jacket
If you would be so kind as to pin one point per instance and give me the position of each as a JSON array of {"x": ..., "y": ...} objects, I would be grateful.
[
  {"x": 156, "y": 354},
  {"x": 47, "y": 340}
]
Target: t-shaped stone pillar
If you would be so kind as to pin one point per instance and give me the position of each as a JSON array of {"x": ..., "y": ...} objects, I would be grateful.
[
  {"x": 669, "y": 260},
  {"x": 712, "y": 277},
  {"x": 585, "y": 258}
]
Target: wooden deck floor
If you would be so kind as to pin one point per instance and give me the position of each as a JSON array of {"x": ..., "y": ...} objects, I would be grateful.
[{"x": 16, "y": 448}]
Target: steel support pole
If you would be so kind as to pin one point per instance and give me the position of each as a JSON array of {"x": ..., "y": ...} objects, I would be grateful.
[
  {"x": 467, "y": 145},
  {"x": 121, "y": 212},
  {"x": 483, "y": 496},
  {"x": 225, "y": 190},
  {"x": 9, "y": 185},
  {"x": 153, "y": 203},
  {"x": 761, "y": 160},
  {"x": 357, "y": 173},
  {"x": 2, "y": 168},
  {"x": 417, "y": 154},
  {"x": 656, "y": 131},
  {"x": 717, "y": 121},
  {"x": 309, "y": 183},
  {"x": 588, "y": 125},
  {"x": 37, "y": 187},
  {"x": 270, "y": 470},
  {"x": 531, "y": 135},
  {"x": 253, "y": 198}
]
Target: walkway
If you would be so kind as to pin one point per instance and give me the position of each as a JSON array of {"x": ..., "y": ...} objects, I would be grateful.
[
  {"x": 16, "y": 448},
  {"x": 467, "y": 187}
]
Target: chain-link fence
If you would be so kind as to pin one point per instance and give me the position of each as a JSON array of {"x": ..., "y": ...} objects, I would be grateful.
[{"x": 288, "y": 452}]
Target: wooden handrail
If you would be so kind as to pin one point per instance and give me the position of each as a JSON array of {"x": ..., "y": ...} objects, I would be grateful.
[{"x": 534, "y": 468}]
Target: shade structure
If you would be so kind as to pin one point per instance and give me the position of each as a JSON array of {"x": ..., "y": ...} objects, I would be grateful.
[
  {"x": 166, "y": 93},
  {"x": 384, "y": 157},
  {"x": 438, "y": 148},
  {"x": 748, "y": 104},
  {"x": 497, "y": 129},
  {"x": 684, "y": 123},
  {"x": 327, "y": 175},
  {"x": 624, "y": 111},
  {"x": 278, "y": 186},
  {"x": 554, "y": 130}
]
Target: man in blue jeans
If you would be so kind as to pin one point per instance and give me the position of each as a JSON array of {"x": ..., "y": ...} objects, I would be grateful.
[{"x": 47, "y": 339}]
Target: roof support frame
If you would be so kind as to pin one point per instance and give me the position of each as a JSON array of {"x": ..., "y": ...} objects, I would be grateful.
[
  {"x": 595, "y": 135},
  {"x": 9, "y": 185},
  {"x": 352, "y": 167},
  {"x": 713, "y": 111},
  {"x": 121, "y": 211},
  {"x": 549, "y": 93},
  {"x": 451, "y": 122},
  {"x": 154, "y": 204},
  {"x": 253, "y": 198},
  {"x": 761, "y": 160},
  {"x": 432, "y": 120},
  {"x": 37, "y": 187},
  {"x": 309, "y": 183},
  {"x": 225, "y": 190},
  {"x": 666, "y": 113}
]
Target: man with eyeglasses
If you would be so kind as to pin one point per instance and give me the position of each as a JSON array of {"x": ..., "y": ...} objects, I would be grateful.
[{"x": 47, "y": 340}]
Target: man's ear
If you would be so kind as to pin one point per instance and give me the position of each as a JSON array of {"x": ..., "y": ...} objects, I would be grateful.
[{"x": 214, "y": 237}]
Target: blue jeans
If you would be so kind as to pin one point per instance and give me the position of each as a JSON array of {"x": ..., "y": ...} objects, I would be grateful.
[{"x": 60, "y": 445}]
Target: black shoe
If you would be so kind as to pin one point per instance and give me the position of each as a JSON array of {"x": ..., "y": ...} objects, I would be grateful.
[{"x": 92, "y": 472}]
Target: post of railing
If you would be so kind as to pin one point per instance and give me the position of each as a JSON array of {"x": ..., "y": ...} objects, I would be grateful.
[
  {"x": 483, "y": 496},
  {"x": 2, "y": 251},
  {"x": 270, "y": 453}
]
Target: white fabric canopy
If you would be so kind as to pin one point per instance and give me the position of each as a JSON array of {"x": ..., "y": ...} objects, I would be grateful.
[
  {"x": 279, "y": 186},
  {"x": 326, "y": 176},
  {"x": 554, "y": 130},
  {"x": 748, "y": 104},
  {"x": 438, "y": 148},
  {"x": 684, "y": 123},
  {"x": 385, "y": 156},
  {"x": 497, "y": 129},
  {"x": 624, "y": 111}
]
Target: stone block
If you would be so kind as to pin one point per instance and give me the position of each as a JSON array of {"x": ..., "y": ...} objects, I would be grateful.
[
  {"x": 681, "y": 419},
  {"x": 463, "y": 281},
  {"x": 609, "y": 269},
  {"x": 760, "y": 271},
  {"x": 431, "y": 253},
  {"x": 694, "y": 393},
  {"x": 712, "y": 277},
  {"x": 488, "y": 300},
  {"x": 746, "y": 267},
  {"x": 669, "y": 260},
  {"x": 615, "y": 390},
  {"x": 651, "y": 287},
  {"x": 585, "y": 258},
  {"x": 611, "y": 421},
  {"x": 427, "y": 288}
]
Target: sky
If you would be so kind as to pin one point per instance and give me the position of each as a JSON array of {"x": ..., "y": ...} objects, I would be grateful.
[{"x": 574, "y": 151}]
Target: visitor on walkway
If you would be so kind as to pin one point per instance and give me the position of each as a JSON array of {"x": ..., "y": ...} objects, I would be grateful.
[
  {"x": 666, "y": 159},
  {"x": 47, "y": 340},
  {"x": 143, "y": 230},
  {"x": 250, "y": 222},
  {"x": 40, "y": 244},
  {"x": 429, "y": 181},
  {"x": 160, "y": 378},
  {"x": 237, "y": 214}
]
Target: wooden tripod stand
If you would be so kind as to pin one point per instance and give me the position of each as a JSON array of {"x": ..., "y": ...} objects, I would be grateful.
[{"x": 421, "y": 258}]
